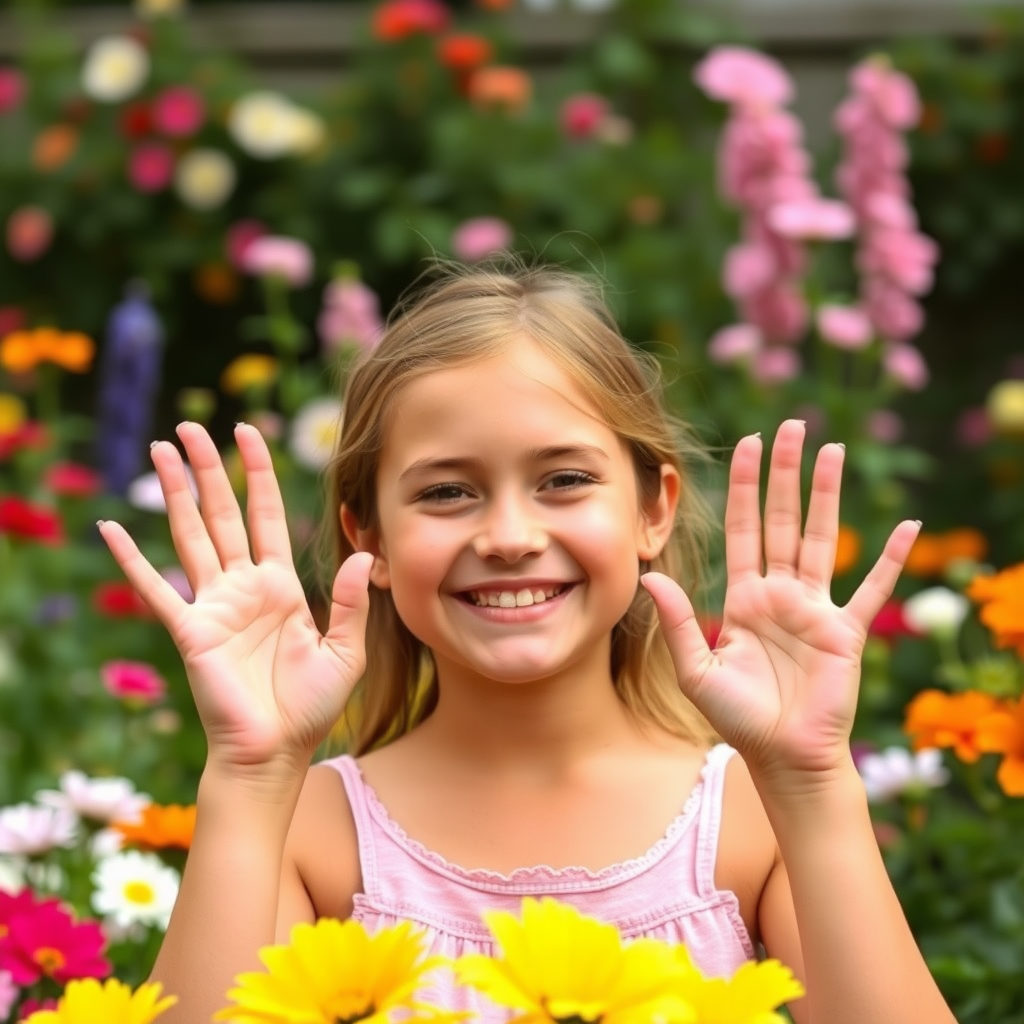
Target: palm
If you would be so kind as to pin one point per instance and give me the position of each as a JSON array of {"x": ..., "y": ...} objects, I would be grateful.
[
  {"x": 781, "y": 684},
  {"x": 265, "y": 681}
]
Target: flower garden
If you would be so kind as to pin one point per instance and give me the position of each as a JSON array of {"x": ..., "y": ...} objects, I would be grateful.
[{"x": 182, "y": 241}]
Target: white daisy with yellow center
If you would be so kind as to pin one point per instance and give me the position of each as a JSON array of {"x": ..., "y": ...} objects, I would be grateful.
[{"x": 133, "y": 888}]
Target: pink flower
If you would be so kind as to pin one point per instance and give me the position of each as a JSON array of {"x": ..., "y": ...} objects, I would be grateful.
[
  {"x": 351, "y": 313},
  {"x": 812, "y": 218},
  {"x": 892, "y": 94},
  {"x": 73, "y": 480},
  {"x": 582, "y": 114},
  {"x": 734, "y": 343},
  {"x": 178, "y": 111},
  {"x": 479, "y": 237},
  {"x": 906, "y": 366},
  {"x": 735, "y": 74},
  {"x": 12, "y": 92},
  {"x": 150, "y": 167},
  {"x": 774, "y": 364},
  {"x": 895, "y": 314},
  {"x": 845, "y": 327},
  {"x": 748, "y": 268},
  {"x": 29, "y": 233},
  {"x": 973, "y": 427},
  {"x": 41, "y": 939},
  {"x": 276, "y": 256},
  {"x": 8, "y": 994},
  {"x": 133, "y": 681},
  {"x": 884, "y": 425},
  {"x": 239, "y": 237}
]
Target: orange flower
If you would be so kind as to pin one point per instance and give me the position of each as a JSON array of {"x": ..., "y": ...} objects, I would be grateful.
[
  {"x": 22, "y": 351},
  {"x": 937, "y": 719},
  {"x": 464, "y": 52},
  {"x": 161, "y": 826},
  {"x": 1003, "y": 733},
  {"x": 847, "y": 550},
  {"x": 217, "y": 283},
  {"x": 54, "y": 147},
  {"x": 933, "y": 553},
  {"x": 1002, "y": 599},
  {"x": 500, "y": 87}
]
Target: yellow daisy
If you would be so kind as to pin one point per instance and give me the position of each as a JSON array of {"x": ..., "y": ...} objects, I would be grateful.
[
  {"x": 88, "y": 1001},
  {"x": 334, "y": 971},
  {"x": 559, "y": 966},
  {"x": 750, "y": 996}
]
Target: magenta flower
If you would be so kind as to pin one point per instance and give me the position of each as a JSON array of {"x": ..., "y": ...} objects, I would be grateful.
[
  {"x": 12, "y": 93},
  {"x": 287, "y": 259},
  {"x": 480, "y": 237},
  {"x": 178, "y": 111},
  {"x": 582, "y": 114},
  {"x": 351, "y": 314},
  {"x": 133, "y": 681},
  {"x": 29, "y": 233},
  {"x": 847, "y": 327},
  {"x": 737, "y": 75},
  {"x": 239, "y": 237},
  {"x": 150, "y": 167}
]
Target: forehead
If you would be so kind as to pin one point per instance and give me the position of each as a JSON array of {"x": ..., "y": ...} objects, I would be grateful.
[{"x": 519, "y": 398}]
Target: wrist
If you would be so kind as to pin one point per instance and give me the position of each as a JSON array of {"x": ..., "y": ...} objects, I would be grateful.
[
  {"x": 836, "y": 790},
  {"x": 235, "y": 788}
]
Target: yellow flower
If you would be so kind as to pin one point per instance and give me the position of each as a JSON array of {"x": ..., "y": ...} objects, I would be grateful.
[
  {"x": 750, "y": 996},
  {"x": 12, "y": 413},
  {"x": 112, "y": 1002},
  {"x": 558, "y": 965},
  {"x": 249, "y": 371},
  {"x": 333, "y": 971}
]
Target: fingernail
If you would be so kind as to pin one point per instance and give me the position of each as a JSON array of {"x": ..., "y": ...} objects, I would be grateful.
[
  {"x": 841, "y": 445},
  {"x": 240, "y": 423},
  {"x": 100, "y": 522},
  {"x": 918, "y": 521},
  {"x": 153, "y": 444}
]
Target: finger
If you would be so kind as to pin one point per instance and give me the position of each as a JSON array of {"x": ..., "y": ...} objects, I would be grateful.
[
  {"x": 683, "y": 635},
  {"x": 268, "y": 524},
  {"x": 743, "y": 511},
  {"x": 821, "y": 534},
  {"x": 217, "y": 502},
  {"x": 782, "y": 514},
  {"x": 879, "y": 583},
  {"x": 160, "y": 597},
  {"x": 188, "y": 531},
  {"x": 350, "y": 604}
]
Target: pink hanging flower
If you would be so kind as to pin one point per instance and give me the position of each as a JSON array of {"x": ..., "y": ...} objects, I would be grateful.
[
  {"x": 847, "y": 327},
  {"x": 480, "y": 237},
  {"x": 276, "y": 256},
  {"x": 351, "y": 314},
  {"x": 775, "y": 364},
  {"x": 12, "y": 94},
  {"x": 151, "y": 167},
  {"x": 581, "y": 115},
  {"x": 735, "y": 74},
  {"x": 906, "y": 366},
  {"x": 178, "y": 111},
  {"x": 29, "y": 233},
  {"x": 133, "y": 682},
  {"x": 734, "y": 343},
  {"x": 812, "y": 218}
]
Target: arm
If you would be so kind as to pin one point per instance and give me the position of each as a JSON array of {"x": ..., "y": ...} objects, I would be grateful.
[{"x": 781, "y": 686}]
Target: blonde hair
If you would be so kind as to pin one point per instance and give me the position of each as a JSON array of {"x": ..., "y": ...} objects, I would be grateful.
[{"x": 463, "y": 316}]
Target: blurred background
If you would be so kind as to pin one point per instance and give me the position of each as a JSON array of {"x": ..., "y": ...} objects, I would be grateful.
[{"x": 805, "y": 208}]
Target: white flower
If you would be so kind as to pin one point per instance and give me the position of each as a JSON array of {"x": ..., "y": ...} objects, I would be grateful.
[
  {"x": 145, "y": 492},
  {"x": 109, "y": 799},
  {"x": 896, "y": 770},
  {"x": 28, "y": 829},
  {"x": 135, "y": 887},
  {"x": 12, "y": 874},
  {"x": 18, "y": 872},
  {"x": 204, "y": 178},
  {"x": 107, "y": 841},
  {"x": 115, "y": 69},
  {"x": 266, "y": 124},
  {"x": 314, "y": 432},
  {"x": 935, "y": 610}
]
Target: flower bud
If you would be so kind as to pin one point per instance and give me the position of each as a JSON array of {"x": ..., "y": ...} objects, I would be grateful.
[{"x": 936, "y": 611}]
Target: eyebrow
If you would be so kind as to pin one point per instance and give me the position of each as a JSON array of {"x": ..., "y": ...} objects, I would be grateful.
[{"x": 570, "y": 451}]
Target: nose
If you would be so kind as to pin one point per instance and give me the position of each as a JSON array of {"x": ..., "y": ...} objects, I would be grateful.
[{"x": 509, "y": 530}]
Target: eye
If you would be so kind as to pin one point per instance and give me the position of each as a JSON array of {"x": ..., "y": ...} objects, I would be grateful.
[
  {"x": 568, "y": 479},
  {"x": 443, "y": 493}
]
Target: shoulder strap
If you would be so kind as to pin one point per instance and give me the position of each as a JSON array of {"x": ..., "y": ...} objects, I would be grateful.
[
  {"x": 355, "y": 790},
  {"x": 710, "y": 817}
]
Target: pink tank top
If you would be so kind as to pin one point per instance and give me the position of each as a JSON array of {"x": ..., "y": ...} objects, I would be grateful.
[{"x": 667, "y": 893}]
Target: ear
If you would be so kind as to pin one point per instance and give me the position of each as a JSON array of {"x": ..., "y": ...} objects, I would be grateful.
[
  {"x": 367, "y": 540},
  {"x": 658, "y": 516}
]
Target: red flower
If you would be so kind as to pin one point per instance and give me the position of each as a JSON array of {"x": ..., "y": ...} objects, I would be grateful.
[
  {"x": 395, "y": 20},
  {"x": 464, "y": 52},
  {"x": 40, "y": 939},
  {"x": 32, "y": 522},
  {"x": 119, "y": 601},
  {"x": 581, "y": 114},
  {"x": 136, "y": 121},
  {"x": 73, "y": 480},
  {"x": 889, "y": 623},
  {"x": 28, "y": 435}
]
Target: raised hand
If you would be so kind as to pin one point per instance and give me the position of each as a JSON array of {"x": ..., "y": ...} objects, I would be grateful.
[
  {"x": 267, "y": 684},
  {"x": 781, "y": 685}
]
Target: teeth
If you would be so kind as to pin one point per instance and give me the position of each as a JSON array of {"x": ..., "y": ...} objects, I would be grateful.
[{"x": 513, "y": 598}]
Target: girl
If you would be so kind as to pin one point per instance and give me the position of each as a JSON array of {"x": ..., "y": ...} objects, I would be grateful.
[{"x": 505, "y": 480}]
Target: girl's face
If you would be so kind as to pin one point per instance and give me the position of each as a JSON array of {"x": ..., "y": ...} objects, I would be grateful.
[{"x": 510, "y": 529}]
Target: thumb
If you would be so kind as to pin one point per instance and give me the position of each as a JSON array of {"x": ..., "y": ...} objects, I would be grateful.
[
  {"x": 683, "y": 635},
  {"x": 350, "y": 604}
]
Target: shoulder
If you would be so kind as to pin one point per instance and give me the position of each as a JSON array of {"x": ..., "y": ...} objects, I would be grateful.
[
  {"x": 323, "y": 843},
  {"x": 747, "y": 848}
]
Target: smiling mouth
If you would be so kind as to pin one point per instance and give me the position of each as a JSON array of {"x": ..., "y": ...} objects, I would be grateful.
[{"x": 522, "y": 598}]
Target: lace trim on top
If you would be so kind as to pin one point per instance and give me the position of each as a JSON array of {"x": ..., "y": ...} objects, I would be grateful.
[{"x": 541, "y": 877}]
